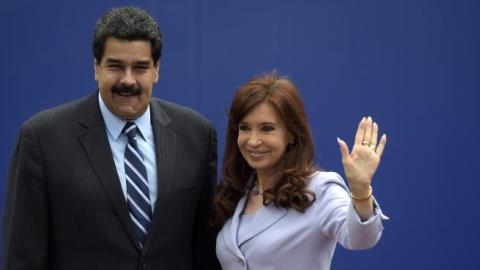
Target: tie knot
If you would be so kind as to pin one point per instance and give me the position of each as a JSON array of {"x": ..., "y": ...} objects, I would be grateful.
[{"x": 130, "y": 130}]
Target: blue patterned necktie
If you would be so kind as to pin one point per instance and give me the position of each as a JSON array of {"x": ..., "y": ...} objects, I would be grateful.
[{"x": 138, "y": 198}]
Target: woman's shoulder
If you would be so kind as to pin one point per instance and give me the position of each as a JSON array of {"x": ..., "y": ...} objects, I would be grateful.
[{"x": 320, "y": 180}]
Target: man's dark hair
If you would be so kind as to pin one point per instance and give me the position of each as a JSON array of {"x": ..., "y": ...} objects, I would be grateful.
[{"x": 127, "y": 23}]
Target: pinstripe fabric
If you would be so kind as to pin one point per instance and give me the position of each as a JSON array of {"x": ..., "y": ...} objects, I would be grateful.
[
  {"x": 70, "y": 201},
  {"x": 138, "y": 200}
]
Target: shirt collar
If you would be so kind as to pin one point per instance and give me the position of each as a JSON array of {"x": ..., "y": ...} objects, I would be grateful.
[{"x": 115, "y": 124}]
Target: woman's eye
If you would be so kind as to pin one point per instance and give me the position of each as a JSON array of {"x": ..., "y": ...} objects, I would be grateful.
[
  {"x": 243, "y": 127},
  {"x": 268, "y": 128}
]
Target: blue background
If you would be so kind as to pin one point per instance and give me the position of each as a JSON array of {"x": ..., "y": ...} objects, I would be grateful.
[{"x": 413, "y": 65}]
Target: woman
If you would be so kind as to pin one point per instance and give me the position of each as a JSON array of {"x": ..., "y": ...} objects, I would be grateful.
[{"x": 274, "y": 208}]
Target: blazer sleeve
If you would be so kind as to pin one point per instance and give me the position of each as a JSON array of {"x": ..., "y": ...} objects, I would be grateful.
[
  {"x": 25, "y": 227},
  {"x": 339, "y": 219},
  {"x": 204, "y": 257}
]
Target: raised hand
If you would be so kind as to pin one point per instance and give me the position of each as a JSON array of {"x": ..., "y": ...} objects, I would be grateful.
[{"x": 361, "y": 163}]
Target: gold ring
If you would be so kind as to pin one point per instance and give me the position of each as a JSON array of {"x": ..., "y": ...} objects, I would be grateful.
[
  {"x": 366, "y": 143},
  {"x": 372, "y": 146}
]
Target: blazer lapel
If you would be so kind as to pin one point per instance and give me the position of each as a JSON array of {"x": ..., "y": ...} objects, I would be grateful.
[
  {"x": 264, "y": 219},
  {"x": 231, "y": 228},
  {"x": 95, "y": 143},
  {"x": 165, "y": 144}
]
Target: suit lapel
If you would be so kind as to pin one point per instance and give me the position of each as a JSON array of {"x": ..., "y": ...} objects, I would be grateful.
[
  {"x": 95, "y": 143},
  {"x": 231, "y": 228},
  {"x": 264, "y": 219},
  {"x": 165, "y": 144}
]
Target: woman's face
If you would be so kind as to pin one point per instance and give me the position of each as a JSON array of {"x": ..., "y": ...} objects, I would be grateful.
[{"x": 263, "y": 138}]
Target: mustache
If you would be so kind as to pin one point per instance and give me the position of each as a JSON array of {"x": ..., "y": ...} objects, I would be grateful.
[{"x": 122, "y": 89}]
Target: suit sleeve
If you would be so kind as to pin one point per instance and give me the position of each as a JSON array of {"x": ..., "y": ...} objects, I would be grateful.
[
  {"x": 204, "y": 257},
  {"x": 25, "y": 228},
  {"x": 340, "y": 219}
]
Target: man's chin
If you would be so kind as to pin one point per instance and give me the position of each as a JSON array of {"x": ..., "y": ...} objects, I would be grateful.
[{"x": 129, "y": 112}]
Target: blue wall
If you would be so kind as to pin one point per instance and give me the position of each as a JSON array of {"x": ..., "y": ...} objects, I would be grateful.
[{"x": 413, "y": 65}]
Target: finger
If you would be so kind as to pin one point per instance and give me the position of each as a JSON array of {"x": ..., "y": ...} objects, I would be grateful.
[
  {"x": 343, "y": 149},
  {"x": 368, "y": 132},
  {"x": 360, "y": 132},
  {"x": 381, "y": 145},
  {"x": 373, "y": 140}
]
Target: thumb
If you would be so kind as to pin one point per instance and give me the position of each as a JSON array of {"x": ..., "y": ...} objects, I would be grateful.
[{"x": 343, "y": 149}]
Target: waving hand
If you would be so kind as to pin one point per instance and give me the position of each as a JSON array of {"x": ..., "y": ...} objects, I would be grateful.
[{"x": 361, "y": 163}]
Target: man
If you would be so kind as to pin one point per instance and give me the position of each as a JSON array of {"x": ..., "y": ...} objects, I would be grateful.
[{"x": 117, "y": 180}]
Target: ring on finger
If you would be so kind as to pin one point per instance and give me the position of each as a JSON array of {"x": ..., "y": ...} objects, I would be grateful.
[
  {"x": 367, "y": 143},
  {"x": 372, "y": 147}
]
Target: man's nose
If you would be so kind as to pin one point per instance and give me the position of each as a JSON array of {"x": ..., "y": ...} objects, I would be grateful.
[{"x": 128, "y": 77}]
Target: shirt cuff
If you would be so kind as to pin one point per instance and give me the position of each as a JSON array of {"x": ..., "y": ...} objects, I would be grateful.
[{"x": 377, "y": 213}]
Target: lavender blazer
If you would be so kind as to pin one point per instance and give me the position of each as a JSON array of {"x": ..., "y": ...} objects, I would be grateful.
[{"x": 287, "y": 239}]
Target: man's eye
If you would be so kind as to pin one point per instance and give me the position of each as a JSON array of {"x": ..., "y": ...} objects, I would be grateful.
[{"x": 114, "y": 66}]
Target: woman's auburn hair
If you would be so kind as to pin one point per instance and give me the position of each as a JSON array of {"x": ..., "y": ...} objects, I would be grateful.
[{"x": 294, "y": 169}]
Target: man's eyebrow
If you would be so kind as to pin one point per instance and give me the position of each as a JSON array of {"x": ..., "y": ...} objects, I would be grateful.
[
  {"x": 113, "y": 61},
  {"x": 138, "y": 63},
  {"x": 143, "y": 62}
]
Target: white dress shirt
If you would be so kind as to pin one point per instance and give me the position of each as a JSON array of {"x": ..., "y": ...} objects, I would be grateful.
[{"x": 118, "y": 142}]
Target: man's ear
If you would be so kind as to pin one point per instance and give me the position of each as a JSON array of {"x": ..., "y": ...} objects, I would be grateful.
[
  {"x": 156, "y": 66},
  {"x": 95, "y": 68}
]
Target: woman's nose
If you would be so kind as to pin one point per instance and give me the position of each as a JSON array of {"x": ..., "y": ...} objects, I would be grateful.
[{"x": 254, "y": 140}]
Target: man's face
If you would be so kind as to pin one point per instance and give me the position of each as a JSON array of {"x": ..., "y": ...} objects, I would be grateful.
[{"x": 125, "y": 76}]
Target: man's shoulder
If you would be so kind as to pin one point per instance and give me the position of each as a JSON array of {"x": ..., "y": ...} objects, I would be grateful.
[
  {"x": 178, "y": 113},
  {"x": 66, "y": 112}
]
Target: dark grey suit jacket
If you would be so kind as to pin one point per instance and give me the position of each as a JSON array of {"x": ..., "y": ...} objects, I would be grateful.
[{"x": 65, "y": 208}]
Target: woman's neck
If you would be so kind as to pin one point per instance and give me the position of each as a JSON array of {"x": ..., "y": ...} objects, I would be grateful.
[{"x": 264, "y": 181}]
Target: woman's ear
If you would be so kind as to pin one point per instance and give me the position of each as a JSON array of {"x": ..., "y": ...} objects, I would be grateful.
[{"x": 291, "y": 139}]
